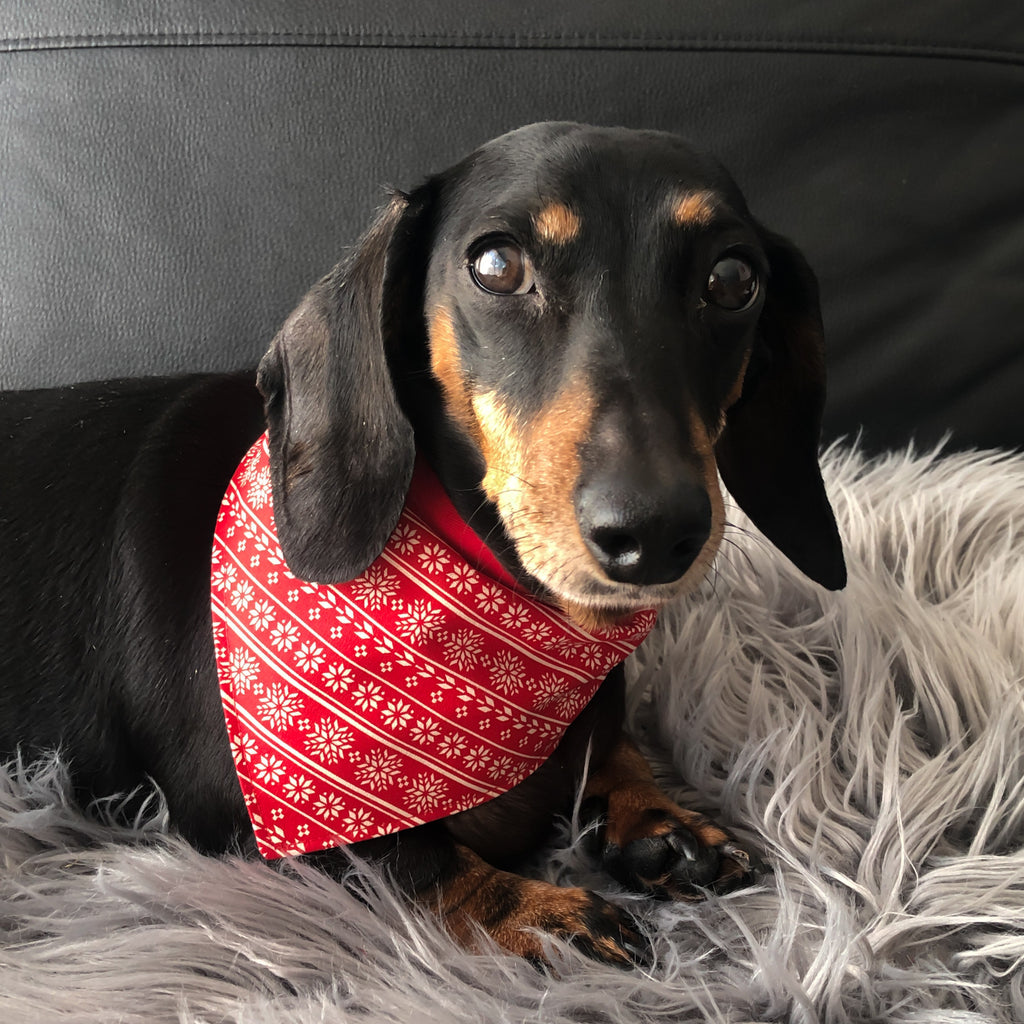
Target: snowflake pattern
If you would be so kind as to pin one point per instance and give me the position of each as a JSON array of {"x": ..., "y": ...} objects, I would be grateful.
[
  {"x": 261, "y": 615},
  {"x": 462, "y": 578},
  {"x": 419, "y": 620},
  {"x": 279, "y": 707},
  {"x": 515, "y": 617},
  {"x": 223, "y": 577},
  {"x": 376, "y": 588},
  {"x": 309, "y": 656},
  {"x": 477, "y": 758},
  {"x": 338, "y": 678},
  {"x": 464, "y": 648},
  {"x": 243, "y": 668},
  {"x": 243, "y": 748},
  {"x": 507, "y": 671},
  {"x": 425, "y": 730},
  {"x": 367, "y": 696},
  {"x": 397, "y": 714},
  {"x": 425, "y": 792},
  {"x": 379, "y": 768},
  {"x": 269, "y": 768},
  {"x": 260, "y": 490},
  {"x": 423, "y": 687},
  {"x": 284, "y": 635},
  {"x": 329, "y": 804},
  {"x": 358, "y": 823},
  {"x": 489, "y": 598},
  {"x": 433, "y": 558},
  {"x": 405, "y": 538},
  {"x": 536, "y": 632},
  {"x": 329, "y": 740},
  {"x": 298, "y": 788}
]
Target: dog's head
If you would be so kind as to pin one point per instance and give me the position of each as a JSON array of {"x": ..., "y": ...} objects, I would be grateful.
[{"x": 585, "y": 326}]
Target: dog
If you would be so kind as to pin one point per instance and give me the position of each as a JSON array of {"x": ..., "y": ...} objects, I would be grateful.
[{"x": 577, "y": 330}]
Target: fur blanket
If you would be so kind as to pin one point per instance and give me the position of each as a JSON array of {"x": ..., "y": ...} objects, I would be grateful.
[{"x": 870, "y": 744}]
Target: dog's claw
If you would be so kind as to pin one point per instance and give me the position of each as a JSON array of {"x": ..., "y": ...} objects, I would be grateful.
[
  {"x": 695, "y": 864},
  {"x": 742, "y": 858},
  {"x": 677, "y": 863},
  {"x": 612, "y": 936},
  {"x": 684, "y": 842}
]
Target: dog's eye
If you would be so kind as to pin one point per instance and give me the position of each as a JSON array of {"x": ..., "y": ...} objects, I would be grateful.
[
  {"x": 502, "y": 269},
  {"x": 732, "y": 284}
]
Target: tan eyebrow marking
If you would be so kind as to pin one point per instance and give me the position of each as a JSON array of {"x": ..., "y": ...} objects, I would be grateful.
[
  {"x": 556, "y": 223},
  {"x": 694, "y": 209}
]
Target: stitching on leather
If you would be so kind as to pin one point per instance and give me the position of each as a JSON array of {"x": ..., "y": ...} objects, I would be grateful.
[{"x": 525, "y": 40}]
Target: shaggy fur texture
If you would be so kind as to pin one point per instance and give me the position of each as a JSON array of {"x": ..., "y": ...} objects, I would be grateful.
[{"x": 869, "y": 743}]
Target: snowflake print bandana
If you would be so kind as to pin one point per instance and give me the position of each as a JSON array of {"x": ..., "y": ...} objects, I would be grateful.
[{"x": 426, "y": 686}]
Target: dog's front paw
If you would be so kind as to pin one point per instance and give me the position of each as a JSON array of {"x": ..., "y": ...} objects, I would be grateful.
[
  {"x": 518, "y": 912},
  {"x": 648, "y": 842},
  {"x": 663, "y": 849}
]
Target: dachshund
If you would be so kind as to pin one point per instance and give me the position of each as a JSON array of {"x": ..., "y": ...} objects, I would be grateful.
[{"x": 579, "y": 330}]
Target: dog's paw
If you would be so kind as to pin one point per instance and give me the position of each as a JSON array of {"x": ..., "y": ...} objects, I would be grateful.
[
  {"x": 663, "y": 849},
  {"x": 597, "y": 928},
  {"x": 517, "y": 913}
]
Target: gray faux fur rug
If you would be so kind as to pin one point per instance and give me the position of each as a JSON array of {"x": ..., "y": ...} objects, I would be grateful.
[{"x": 869, "y": 743}]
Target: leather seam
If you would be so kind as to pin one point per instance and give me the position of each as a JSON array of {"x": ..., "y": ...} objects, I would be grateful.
[{"x": 518, "y": 41}]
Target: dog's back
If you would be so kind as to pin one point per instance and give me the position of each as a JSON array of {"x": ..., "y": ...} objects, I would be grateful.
[{"x": 107, "y": 488}]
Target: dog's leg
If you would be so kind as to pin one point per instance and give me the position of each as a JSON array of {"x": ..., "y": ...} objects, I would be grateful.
[
  {"x": 473, "y": 899},
  {"x": 516, "y": 912},
  {"x": 650, "y": 843}
]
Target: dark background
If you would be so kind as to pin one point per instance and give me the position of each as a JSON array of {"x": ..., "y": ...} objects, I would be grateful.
[{"x": 172, "y": 180}]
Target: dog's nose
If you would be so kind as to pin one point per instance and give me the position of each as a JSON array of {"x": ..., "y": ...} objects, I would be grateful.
[{"x": 642, "y": 534}]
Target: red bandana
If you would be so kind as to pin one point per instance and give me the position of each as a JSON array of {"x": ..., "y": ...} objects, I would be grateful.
[{"x": 426, "y": 686}]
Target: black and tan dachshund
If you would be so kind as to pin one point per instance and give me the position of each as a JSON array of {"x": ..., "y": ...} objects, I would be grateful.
[{"x": 579, "y": 328}]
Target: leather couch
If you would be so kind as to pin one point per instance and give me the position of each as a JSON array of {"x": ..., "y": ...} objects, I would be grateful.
[{"x": 173, "y": 176}]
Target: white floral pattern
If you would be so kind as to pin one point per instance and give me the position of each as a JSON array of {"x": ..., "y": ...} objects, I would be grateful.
[
  {"x": 427, "y": 685},
  {"x": 244, "y": 668},
  {"x": 329, "y": 740},
  {"x": 419, "y": 620},
  {"x": 425, "y": 792},
  {"x": 379, "y": 768},
  {"x": 375, "y": 588},
  {"x": 261, "y": 615},
  {"x": 279, "y": 707},
  {"x": 464, "y": 648}
]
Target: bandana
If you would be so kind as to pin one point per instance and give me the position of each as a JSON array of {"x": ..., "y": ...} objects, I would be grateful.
[{"x": 429, "y": 684}]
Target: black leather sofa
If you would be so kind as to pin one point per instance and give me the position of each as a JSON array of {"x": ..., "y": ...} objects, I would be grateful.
[{"x": 174, "y": 175}]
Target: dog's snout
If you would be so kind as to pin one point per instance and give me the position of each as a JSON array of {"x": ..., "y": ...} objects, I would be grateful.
[{"x": 641, "y": 534}]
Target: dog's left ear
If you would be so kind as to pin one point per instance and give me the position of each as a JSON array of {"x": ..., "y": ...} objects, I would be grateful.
[
  {"x": 768, "y": 452},
  {"x": 341, "y": 448}
]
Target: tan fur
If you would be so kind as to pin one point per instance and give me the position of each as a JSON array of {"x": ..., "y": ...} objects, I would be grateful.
[
  {"x": 446, "y": 365},
  {"x": 737, "y": 388},
  {"x": 512, "y": 909},
  {"x": 501, "y": 443},
  {"x": 704, "y": 448},
  {"x": 638, "y": 810},
  {"x": 694, "y": 209},
  {"x": 637, "y": 807},
  {"x": 531, "y": 471},
  {"x": 557, "y": 224}
]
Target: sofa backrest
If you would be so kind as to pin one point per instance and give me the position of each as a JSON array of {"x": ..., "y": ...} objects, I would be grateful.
[{"x": 174, "y": 176}]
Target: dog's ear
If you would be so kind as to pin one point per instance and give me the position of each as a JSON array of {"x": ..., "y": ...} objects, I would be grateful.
[
  {"x": 768, "y": 452},
  {"x": 341, "y": 449}
]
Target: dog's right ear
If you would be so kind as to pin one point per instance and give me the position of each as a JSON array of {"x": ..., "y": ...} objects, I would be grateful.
[{"x": 341, "y": 449}]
